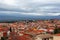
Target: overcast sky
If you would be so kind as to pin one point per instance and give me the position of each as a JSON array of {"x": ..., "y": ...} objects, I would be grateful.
[{"x": 30, "y": 7}]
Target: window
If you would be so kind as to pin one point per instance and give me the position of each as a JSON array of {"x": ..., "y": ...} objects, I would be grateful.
[{"x": 45, "y": 39}]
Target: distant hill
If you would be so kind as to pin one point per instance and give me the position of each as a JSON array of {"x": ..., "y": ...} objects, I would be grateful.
[{"x": 25, "y": 17}]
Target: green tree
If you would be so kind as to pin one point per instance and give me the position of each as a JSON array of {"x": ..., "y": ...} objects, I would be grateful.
[{"x": 57, "y": 30}]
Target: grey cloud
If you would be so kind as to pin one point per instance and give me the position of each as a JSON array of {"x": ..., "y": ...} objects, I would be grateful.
[{"x": 31, "y": 7}]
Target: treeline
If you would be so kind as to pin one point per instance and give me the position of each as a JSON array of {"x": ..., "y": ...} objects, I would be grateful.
[{"x": 57, "y": 31}]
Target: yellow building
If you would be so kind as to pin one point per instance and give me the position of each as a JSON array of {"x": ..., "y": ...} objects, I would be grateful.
[
  {"x": 56, "y": 37},
  {"x": 44, "y": 37}
]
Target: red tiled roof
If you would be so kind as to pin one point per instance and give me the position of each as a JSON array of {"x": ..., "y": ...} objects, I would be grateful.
[
  {"x": 1, "y": 29},
  {"x": 57, "y": 34}
]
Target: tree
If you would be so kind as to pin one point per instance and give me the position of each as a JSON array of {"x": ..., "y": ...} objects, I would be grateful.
[{"x": 57, "y": 30}]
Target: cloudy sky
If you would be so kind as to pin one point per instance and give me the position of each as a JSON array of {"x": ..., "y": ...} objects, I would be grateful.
[{"x": 30, "y": 7}]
